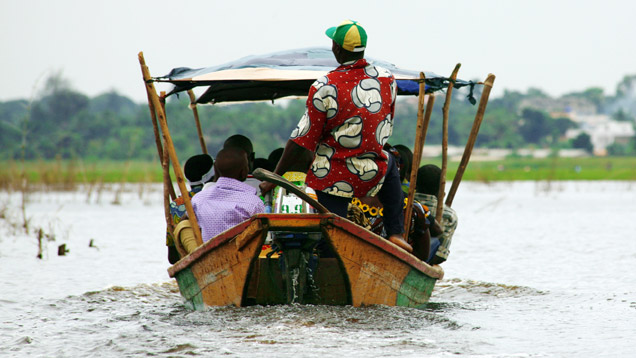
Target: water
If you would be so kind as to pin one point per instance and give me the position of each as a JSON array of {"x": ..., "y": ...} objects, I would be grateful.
[{"x": 536, "y": 270}]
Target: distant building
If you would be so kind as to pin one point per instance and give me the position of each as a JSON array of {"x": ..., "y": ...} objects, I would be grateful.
[{"x": 603, "y": 131}]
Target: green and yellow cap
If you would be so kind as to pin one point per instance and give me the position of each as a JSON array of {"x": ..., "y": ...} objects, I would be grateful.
[{"x": 349, "y": 35}]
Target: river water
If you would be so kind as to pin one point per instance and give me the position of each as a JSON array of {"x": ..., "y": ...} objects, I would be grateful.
[{"x": 537, "y": 269}]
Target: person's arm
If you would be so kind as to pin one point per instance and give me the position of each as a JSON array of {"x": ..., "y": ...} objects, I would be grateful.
[
  {"x": 434, "y": 227},
  {"x": 291, "y": 153}
]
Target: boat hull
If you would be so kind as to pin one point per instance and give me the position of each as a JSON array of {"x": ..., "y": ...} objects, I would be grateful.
[{"x": 364, "y": 269}]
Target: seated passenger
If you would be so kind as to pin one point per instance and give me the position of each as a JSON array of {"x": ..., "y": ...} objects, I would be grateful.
[
  {"x": 230, "y": 201},
  {"x": 285, "y": 202},
  {"x": 274, "y": 157},
  {"x": 427, "y": 188},
  {"x": 242, "y": 142},
  {"x": 245, "y": 144},
  {"x": 406, "y": 160},
  {"x": 262, "y": 163},
  {"x": 198, "y": 170}
]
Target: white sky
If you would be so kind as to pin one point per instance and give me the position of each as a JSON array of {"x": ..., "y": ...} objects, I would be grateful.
[{"x": 557, "y": 46}]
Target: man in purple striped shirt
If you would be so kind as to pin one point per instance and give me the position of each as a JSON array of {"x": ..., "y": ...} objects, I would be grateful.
[{"x": 230, "y": 201}]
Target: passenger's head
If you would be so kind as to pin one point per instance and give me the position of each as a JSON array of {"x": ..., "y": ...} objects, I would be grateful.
[
  {"x": 428, "y": 179},
  {"x": 263, "y": 163},
  {"x": 274, "y": 156},
  {"x": 406, "y": 160},
  {"x": 198, "y": 170},
  {"x": 349, "y": 40},
  {"x": 231, "y": 163},
  {"x": 242, "y": 142}
]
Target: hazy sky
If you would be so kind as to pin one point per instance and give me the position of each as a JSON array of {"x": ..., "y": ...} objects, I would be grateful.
[{"x": 557, "y": 46}]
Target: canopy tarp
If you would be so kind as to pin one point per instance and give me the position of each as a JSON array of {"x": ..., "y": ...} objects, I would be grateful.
[{"x": 283, "y": 74}]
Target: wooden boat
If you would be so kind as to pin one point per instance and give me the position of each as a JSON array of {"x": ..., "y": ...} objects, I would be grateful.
[{"x": 316, "y": 258}]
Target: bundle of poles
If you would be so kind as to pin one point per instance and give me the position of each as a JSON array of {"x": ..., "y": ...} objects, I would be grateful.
[{"x": 423, "y": 119}]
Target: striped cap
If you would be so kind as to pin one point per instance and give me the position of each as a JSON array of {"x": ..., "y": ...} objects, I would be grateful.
[{"x": 349, "y": 35}]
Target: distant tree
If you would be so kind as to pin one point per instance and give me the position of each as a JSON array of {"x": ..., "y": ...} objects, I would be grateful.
[
  {"x": 55, "y": 83},
  {"x": 534, "y": 126},
  {"x": 622, "y": 149},
  {"x": 112, "y": 101},
  {"x": 509, "y": 101},
  {"x": 536, "y": 92},
  {"x": 623, "y": 116},
  {"x": 583, "y": 141},
  {"x": 594, "y": 95},
  {"x": 560, "y": 126},
  {"x": 499, "y": 130},
  {"x": 626, "y": 87}
]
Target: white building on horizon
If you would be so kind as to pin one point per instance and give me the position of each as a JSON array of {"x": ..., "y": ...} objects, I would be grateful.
[{"x": 603, "y": 131}]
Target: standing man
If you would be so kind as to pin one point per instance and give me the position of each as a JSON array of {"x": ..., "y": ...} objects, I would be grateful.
[{"x": 349, "y": 118}]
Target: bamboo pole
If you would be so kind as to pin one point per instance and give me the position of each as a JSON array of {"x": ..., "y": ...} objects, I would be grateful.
[
  {"x": 483, "y": 102},
  {"x": 150, "y": 88},
  {"x": 195, "y": 111},
  {"x": 442, "y": 177},
  {"x": 168, "y": 189},
  {"x": 165, "y": 165},
  {"x": 420, "y": 138}
]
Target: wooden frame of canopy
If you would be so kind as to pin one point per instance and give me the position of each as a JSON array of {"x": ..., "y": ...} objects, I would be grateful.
[{"x": 168, "y": 154}]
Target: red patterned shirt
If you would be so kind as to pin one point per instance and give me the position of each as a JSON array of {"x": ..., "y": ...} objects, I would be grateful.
[{"x": 348, "y": 120}]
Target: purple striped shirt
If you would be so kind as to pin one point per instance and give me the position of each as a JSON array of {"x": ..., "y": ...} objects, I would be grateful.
[{"x": 222, "y": 206}]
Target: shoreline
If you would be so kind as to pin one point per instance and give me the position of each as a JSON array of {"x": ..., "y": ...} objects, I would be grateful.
[{"x": 70, "y": 173}]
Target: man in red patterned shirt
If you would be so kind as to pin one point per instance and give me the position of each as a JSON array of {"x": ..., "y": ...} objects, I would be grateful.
[{"x": 348, "y": 120}]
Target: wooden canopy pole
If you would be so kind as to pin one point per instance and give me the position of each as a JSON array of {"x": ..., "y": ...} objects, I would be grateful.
[
  {"x": 150, "y": 89},
  {"x": 165, "y": 160},
  {"x": 420, "y": 138},
  {"x": 442, "y": 177},
  {"x": 195, "y": 111},
  {"x": 169, "y": 189},
  {"x": 483, "y": 102}
]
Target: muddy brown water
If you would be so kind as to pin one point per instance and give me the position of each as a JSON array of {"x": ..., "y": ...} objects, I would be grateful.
[{"x": 537, "y": 269}]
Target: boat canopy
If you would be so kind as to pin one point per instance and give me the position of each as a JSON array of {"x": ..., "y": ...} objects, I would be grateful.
[{"x": 284, "y": 74}]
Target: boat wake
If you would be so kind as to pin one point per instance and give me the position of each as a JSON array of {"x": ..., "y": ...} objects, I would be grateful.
[{"x": 457, "y": 289}]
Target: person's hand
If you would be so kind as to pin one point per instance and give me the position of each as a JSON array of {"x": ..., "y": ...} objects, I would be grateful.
[{"x": 266, "y": 187}]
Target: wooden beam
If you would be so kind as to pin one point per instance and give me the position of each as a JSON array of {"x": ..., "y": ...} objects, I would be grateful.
[
  {"x": 420, "y": 138},
  {"x": 483, "y": 102},
  {"x": 195, "y": 111},
  {"x": 442, "y": 177},
  {"x": 176, "y": 167}
]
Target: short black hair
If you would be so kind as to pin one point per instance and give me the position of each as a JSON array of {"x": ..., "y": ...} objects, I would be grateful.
[
  {"x": 239, "y": 141},
  {"x": 274, "y": 156},
  {"x": 197, "y": 166},
  {"x": 428, "y": 179},
  {"x": 406, "y": 159},
  {"x": 242, "y": 142},
  {"x": 263, "y": 163}
]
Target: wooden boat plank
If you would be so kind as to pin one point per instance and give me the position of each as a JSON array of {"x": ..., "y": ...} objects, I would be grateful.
[
  {"x": 219, "y": 277},
  {"x": 294, "y": 222},
  {"x": 209, "y": 246},
  {"x": 380, "y": 272}
]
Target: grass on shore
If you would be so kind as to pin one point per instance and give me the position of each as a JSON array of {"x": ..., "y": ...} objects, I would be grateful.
[
  {"x": 592, "y": 168},
  {"x": 66, "y": 174}
]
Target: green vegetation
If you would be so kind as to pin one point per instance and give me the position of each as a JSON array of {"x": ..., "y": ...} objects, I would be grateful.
[
  {"x": 67, "y": 174},
  {"x": 590, "y": 168},
  {"x": 65, "y": 136}
]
